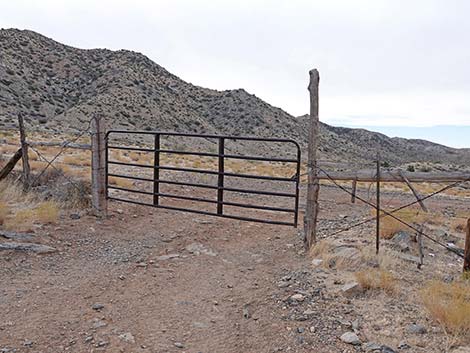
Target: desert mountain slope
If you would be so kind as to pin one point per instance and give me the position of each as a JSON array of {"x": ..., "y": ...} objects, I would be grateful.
[{"x": 57, "y": 88}]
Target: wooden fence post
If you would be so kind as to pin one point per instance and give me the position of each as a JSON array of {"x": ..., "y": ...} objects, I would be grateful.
[
  {"x": 313, "y": 185},
  {"x": 98, "y": 166},
  {"x": 354, "y": 190},
  {"x": 25, "y": 157},
  {"x": 377, "y": 225},
  {"x": 466, "y": 260}
]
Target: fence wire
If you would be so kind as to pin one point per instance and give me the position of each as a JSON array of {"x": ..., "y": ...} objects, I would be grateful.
[{"x": 390, "y": 213}]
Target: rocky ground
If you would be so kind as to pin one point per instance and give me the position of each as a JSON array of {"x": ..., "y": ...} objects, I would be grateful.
[{"x": 147, "y": 280}]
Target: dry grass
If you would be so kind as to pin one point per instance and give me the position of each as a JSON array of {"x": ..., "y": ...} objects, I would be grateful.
[
  {"x": 449, "y": 304},
  {"x": 47, "y": 212},
  {"x": 389, "y": 226},
  {"x": 21, "y": 221},
  {"x": 376, "y": 279},
  {"x": 337, "y": 256},
  {"x": 4, "y": 210},
  {"x": 121, "y": 182}
]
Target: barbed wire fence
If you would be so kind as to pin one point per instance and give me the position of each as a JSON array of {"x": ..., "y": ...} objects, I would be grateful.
[{"x": 92, "y": 128}]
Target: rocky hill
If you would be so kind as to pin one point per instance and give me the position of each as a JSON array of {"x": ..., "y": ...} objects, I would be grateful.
[{"x": 58, "y": 87}]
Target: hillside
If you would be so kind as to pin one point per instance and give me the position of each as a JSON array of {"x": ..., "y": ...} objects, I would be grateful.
[{"x": 57, "y": 88}]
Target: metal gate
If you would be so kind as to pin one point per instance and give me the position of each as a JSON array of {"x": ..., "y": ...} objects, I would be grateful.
[{"x": 221, "y": 174}]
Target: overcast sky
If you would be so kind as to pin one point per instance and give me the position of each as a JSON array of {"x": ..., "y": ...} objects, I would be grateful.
[{"x": 382, "y": 63}]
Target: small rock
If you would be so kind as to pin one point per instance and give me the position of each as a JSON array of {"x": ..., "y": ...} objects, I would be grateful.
[
  {"x": 403, "y": 345},
  {"x": 127, "y": 337},
  {"x": 387, "y": 349},
  {"x": 167, "y": 257},
  {"x": 97, "y": 307},
  {"x": 372, "y": 347},
  {"x": 416, "y": 329},
  {"x": 297, "y": 297},
  {"x": 141, "y": 264},
  {"x": 351, "y": 289},
  {"x": 88, "y": 339},
  {"x": 120, "y": 211},
  {"x": 101, "y": 344},
  {"x": 28, "y": 343},
  {"x": 402, "y": 241},
  {"x": 74, "y": 216},
  {"x": 317, "y": 262},
  {"x": 99, "y": 323},
  {"x": 178, "y": 345},
  {"x": 246, "y": 311},
  {"x": 350, "y": 338},
  {"x": 300, "y": 329},
  {"x": 309, "y": 312}
]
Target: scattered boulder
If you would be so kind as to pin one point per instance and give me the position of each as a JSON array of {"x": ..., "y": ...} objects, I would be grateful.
[
  {"x": 297, "y": 297},
  {"x": 351, "y": 289},
  {"x": 350, "y": 338},
  {"x": 97, "y": 306},
  {"x": 127, "y": 337},
  {"x": 317, "y": 262},
  {"x": 416, "y": 329},
  {"x": 402, "y": 241}
]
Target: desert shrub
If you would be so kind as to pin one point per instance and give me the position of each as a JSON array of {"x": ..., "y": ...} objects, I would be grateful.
[
  {"x": 449, "y": 305},
  {"x": 376, "y": 279},
  {"x": 410, "y": 168}
]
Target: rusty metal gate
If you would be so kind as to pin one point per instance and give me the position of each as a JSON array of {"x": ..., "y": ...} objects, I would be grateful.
[{"x": 221, "y": 174}]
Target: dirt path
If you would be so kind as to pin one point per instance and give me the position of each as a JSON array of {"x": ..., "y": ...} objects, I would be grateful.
[{"x": 159, "y": 281}]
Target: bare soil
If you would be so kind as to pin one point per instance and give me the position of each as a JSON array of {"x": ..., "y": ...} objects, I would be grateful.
[{"x": 148, "y": 280}]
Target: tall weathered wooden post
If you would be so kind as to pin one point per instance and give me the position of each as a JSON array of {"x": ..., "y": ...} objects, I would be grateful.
[
  {"x": 313, "y": 186},
  {"x": 24, "y": 151},
  {"x": 466, "y": 259},
  {"x": 98, "y": 166}
]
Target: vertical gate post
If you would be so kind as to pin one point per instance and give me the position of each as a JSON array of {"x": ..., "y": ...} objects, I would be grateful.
[
  {"x": 98, "y": 166},
  {"x": 156, "y": 170},
  {"x": 24, "y": 151},
  {"x": 353, "y": 192},
  {"x": 466, "y": 260},
  {"x": 313, "y": 185},
  {"x": 377, "y": 225},
  {"x": 220, "y": 181}
]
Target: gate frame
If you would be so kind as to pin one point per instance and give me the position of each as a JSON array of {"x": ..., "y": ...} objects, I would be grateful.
[{"x": 221, "y": 155}]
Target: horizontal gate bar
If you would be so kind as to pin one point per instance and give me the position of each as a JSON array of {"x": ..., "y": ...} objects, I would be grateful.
[
  {"x": 189, "y": 198},
  {"x": 206, "y": 154},
  {"x": 205, "y": 171},
  {"x": 228, "y": 137},
  {"x": 206, "y": 213},
  {"x": 245, "y": 191}
]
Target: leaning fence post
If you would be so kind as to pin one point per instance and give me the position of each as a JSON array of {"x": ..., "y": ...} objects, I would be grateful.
[
  {"x": 313, "y": 186},
  {"x": 466, "y": 259},
  {"x": 98, "y": 166},
  {"x": 24, "y": 150},
  {"x": 377, "y": 225}
]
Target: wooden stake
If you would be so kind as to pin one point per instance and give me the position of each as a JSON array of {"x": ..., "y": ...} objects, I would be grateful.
[
  {"x": 420, "y": 247},
  {"x": 98, "y": 167},
  {"x": 413, "y": 190},
  {"x": 25, "y": 157},
  {"x": 11, "y": 164},
  {"x": 466, "y": 260},
  {"x": 313, "y": 185},
  {"x": 377, "y": 228},
  {"x": 354, "y": 189}
]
